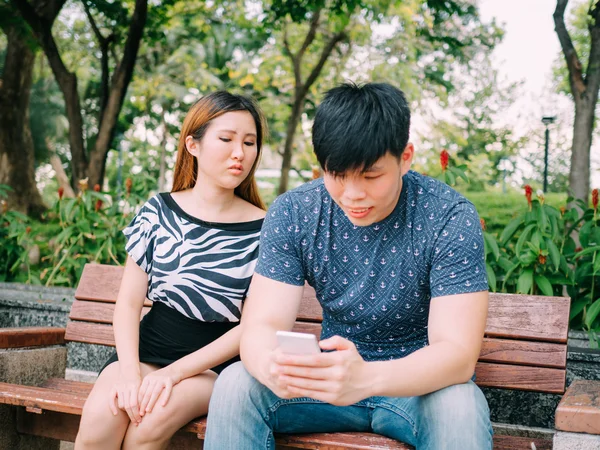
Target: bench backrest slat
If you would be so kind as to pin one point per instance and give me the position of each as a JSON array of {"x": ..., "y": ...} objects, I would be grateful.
[
  {"x": 510, "y": 316},
  {"x": 524, "y": 348}
]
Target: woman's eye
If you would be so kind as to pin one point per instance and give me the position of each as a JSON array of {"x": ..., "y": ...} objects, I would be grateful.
[
  {"x": 249, "y": 144},
  {"x": 225, "y": 139}
]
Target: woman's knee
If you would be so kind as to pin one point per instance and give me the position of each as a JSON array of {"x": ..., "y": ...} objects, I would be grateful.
[{"x": 99, "y": 425}]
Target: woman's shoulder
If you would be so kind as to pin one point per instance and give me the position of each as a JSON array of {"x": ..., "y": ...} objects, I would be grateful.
[{"x": 249, "y": 212}]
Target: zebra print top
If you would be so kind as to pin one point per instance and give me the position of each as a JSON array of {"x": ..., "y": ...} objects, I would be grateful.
[{"x": 201, "y": 269}]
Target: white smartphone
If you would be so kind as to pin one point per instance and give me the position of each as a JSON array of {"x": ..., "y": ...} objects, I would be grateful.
[{"x": 298, "y": 343}]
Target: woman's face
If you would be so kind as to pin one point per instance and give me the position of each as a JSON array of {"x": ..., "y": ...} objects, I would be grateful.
[{"x": 228, "y": 149}]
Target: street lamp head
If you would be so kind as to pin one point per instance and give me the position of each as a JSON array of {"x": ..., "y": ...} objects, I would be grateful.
[{"x": 547, "y": 120}]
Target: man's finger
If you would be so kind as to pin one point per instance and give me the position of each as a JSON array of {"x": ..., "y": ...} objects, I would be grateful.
[{"x": 336, "y": 343}]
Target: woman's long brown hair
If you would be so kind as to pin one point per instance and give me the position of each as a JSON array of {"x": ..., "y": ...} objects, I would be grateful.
[{"x": 196, "y": 123}]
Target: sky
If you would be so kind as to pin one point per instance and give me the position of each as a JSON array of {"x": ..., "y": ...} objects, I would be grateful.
[{"x": 527, "y": 53}]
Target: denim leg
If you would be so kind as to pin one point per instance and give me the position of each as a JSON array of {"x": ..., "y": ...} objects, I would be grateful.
[
  {"x": 453, "y": 418},
  {"x": 243, "y": 414}
]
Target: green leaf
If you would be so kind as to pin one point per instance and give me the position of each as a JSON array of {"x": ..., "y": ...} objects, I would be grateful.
[
  {"x": 511, "y": 228},
  {"x": 450, "y": 178},
  {"x": 545, "y": 287},
  {"x": 592, "y": 313},
  {"x": 491, "y": 277},
  {"x": 525, "y": 282},
  {"x": 541, "y": 217},
  {"x": 506, "y": 264},
  {"x": 492, "y": 245},
  {"x": 554, "y": 253},
  {"x": 587, "y": 251},
  {"x": 584, "y": 234},
  {"x": 523, "y": 238},
  {"x": 528, "y": 257},
  {"x": 576, "y": 307}
]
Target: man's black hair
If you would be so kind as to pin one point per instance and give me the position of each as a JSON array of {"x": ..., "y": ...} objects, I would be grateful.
[{"x": 355, "y": 125}]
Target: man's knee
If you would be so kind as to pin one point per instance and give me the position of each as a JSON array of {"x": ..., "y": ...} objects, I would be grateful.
[
  {"x": 460, "y": 410},
  {"x": 234, "y": 385}
]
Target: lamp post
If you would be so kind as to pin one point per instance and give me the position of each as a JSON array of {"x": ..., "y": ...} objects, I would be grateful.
[{"x": 547, "y": 120}]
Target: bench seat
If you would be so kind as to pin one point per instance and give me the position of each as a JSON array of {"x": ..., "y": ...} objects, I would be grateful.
[{"x": 524, "y": 348}]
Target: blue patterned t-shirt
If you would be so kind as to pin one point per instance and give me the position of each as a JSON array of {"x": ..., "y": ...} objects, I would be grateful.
[{"x": 375, "y": 283}]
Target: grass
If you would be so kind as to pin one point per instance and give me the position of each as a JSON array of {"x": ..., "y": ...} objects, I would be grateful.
[{"x": 495, "y": 207}]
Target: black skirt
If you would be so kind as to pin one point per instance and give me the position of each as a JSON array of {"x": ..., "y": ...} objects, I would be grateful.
[{"x": 166, "y": 335}]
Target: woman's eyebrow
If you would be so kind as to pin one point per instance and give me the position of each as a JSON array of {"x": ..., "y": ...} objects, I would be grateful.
[{"x": 235, "y": 132}]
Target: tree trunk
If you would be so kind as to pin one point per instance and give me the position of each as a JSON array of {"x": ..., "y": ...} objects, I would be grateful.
[
  {"x": 584, "y": 88},
  {"x": 40, "y": 15},
  {"x": 286, "y": 163},
  {"x": 17, "y": 168},
  {"x": 583, "y": 127},
  {"x": 120, "y": 81}
]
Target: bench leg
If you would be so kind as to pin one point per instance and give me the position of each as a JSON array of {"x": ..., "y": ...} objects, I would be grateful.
[
  {"x": 10, "y": 439},
  {"x": 576, "y": 441}
]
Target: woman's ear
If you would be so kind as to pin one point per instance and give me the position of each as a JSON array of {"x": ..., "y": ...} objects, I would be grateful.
[{"x": 192, "y": 146}]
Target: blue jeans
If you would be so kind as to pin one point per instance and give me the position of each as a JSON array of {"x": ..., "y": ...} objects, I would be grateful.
[{"x": 243, "y": 414}]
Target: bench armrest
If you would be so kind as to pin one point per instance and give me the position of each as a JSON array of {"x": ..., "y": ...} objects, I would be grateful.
[
  {"x": 579, "y": 409},
  {"x": 31, "y": 337}
]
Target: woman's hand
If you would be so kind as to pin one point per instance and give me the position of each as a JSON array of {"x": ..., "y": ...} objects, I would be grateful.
[
  {"x": 155, "y": 385},
  {"x": 124, "y": 395}
]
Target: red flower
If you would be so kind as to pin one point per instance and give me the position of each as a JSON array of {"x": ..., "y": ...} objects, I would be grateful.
[
  {"x": 444, "y": 157},
  {"x": 595, "y": 199},
  {"x": 528, "y": 193},
  {"x": 128, "y": 184},
  {"x": 482, "y": 221},
  {"x": 98, "y": 205},
  {"x": 542, "y": 259},
  {"x": 563, "y": 210},
  {"x": 97, "y": 187},
  {"x": 61, "y": 192},
  {"x": 28, "y": 230}
]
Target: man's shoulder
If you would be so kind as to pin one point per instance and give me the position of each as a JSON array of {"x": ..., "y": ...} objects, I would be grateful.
[
  {"x": 307, "y": 195},
  {"x": 434, "y": 191}
]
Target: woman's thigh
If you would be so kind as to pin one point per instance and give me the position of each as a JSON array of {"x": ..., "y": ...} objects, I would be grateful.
[
  {"x": 98, "y": 423},
  {"x": 189, "y": 399}
]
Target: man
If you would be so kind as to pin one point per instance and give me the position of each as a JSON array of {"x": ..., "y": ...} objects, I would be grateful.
[{"x": 396, "y": 259}]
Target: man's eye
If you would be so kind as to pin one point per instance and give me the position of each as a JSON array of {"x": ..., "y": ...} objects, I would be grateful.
[
  {"x": 225, "y": 139},
  {"x": 372, "y": 177}
]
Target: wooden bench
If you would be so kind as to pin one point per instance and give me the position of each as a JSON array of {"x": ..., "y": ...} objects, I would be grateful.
[{"x": 524, "y": 348}]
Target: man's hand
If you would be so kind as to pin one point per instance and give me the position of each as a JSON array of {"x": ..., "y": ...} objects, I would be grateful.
[{"x": 339, "y": 377}]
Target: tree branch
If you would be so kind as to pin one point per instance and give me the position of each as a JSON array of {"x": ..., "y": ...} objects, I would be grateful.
[
  {"x": 312, "y": 32},
  {"x": 592, "y": 76},
  {"x": 104, "y": 44},
  {"x": 338, "y": 37},
  {"x": 573, "y": 63},
  {"x": 118, "y": 86}
]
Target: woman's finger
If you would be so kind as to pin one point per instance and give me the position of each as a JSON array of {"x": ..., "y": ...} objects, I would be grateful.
[
  {"x": 167, "y": 393},
  {"x": 155, "y": 394},
  {"x": 147, "y": 397},
  {"x": 112, "y": 401}
]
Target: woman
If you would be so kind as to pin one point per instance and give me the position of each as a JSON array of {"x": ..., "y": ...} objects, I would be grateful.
[{"x": 192, "y": 252}]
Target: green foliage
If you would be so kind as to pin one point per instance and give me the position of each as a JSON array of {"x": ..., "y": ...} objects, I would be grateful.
[
  {"x": 537, "y": 253},
  {"x": 75, "y": 231}
]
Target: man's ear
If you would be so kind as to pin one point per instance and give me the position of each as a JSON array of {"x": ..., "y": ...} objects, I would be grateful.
[
  {"x": 192, "y": 146},
  {"x": 407, "y": 157}
]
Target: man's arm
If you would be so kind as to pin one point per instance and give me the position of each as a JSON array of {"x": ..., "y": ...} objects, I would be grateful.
[
  {"x": 271, "y": 306},
  {"x": 456, "y": 327}
]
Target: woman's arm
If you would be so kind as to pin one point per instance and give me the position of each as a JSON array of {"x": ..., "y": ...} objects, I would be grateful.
[
  {"x": 126, "y": 325},
  {"x": 159, "y": 384}
]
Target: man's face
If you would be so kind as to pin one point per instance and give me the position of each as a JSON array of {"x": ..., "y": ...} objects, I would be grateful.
[{"x": 370, "y": 196}]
